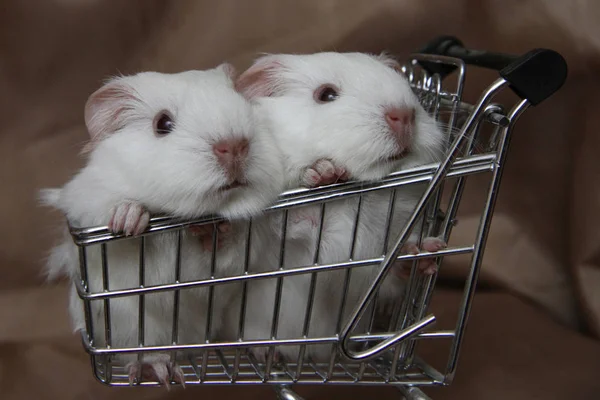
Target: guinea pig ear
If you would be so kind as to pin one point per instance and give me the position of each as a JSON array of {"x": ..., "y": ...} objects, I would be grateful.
[
  {"x": 106, "y": 109},
  {"x": 389, "y": 61},
  {"x": 229, "y": 70},
  {"x": 262, "y": 79}
]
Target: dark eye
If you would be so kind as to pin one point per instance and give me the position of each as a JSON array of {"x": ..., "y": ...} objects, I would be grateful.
[
  {"x": 164, "y": 124},
  {"x": 326, "y": 94}
]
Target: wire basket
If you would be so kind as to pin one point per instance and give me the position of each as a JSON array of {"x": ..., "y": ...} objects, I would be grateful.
[{"x": 383, "y": 351}]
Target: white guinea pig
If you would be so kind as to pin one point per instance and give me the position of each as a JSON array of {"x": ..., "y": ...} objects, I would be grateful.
[
  {"x": 337, "y": 116},
  {"x": 184, "y": 145}
]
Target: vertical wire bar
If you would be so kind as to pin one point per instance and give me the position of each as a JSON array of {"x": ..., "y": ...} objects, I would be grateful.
[
  {"x": 394, "y": 367},
  {"x": 372, "y": 318},
  {"x": 481, "y": 239},
  {"x": 176, "y": 294},
  {"x": 451, "y": 125},
  {"x": 346, "y": 284},
  {"x": 437, "y": 197},
  {"x": 494, "y": 138},
  {"x": 390, "y": 217},
  {"x": 87, "y": 304},
  {"x": 311, "y": 295},
  {"x": 141, "y": 302},
  {"x": 105, "y": 287},
  {"x": 141, "y": 299},
  {"x": 277, "y": 302},
  {"x": 209, "y": 306},
  {"x": 424, "y": 285},
  {"x": 107, "y": 319},
  {"x": 236, "y": 362}
]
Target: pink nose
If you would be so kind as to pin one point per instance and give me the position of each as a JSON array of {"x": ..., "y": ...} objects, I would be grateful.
[
  {"x": 400, "y": 121},
  {"x": 231, "y": 155}
]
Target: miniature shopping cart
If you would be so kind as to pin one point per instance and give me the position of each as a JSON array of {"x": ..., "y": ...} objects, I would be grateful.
[{"x": 387, "y": 352}]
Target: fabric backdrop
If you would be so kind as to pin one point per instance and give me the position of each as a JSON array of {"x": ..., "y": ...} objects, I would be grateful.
[{"x": 541, "y": 308}]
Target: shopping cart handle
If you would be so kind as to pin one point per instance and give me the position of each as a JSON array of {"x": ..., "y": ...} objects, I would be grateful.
[{"x": 534, "y": 76}]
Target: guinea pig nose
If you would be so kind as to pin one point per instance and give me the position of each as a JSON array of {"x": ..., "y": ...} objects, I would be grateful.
[
  {"x": 400, "y": 120},
  {"x": 229, "y": 150}
]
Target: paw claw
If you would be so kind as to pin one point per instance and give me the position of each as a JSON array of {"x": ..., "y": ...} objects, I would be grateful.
[
  {"x": 130, "y": 218},
  {"x": 161, "y": 370},
  {"x": 433, "y": 244},
  {"x": 323, "y": 172},
  {"x": 426, "y": 266}
]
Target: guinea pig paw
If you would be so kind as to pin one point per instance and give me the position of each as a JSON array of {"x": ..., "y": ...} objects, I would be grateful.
[
  {"x": 426, "y": 266},
  {"x": 205, "y": 234},
  {"x": 130, "y": 218},
  {"x": 323, "y": 172},
  {"x": 161, "y": 370},
  {"x": 262, "y": 354},
  {"x": 433, "y": 244},
  {"x": 302, "y": 216}
]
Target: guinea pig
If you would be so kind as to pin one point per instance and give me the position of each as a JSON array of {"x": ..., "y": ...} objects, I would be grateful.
[
  {"x": 184, "y": 145},
  {"x": 338, "y": 116}
]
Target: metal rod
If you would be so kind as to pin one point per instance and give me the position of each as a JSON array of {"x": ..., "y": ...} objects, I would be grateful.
[
  {"x": 480, "y": 241},
  {"x": 176, "y": 295},
  {"x": 311, "y": 293},
  {"x": 278, "y": 291},
  {"x": 269, "y": 274},
  {"x": 255, "y": 343},
  {"x": 390, "y": 217},
  {"x": 346, "y": 284},
  {"x": 300, "y": 197},
  {"x": 105, "y": 287},
  {"x": 391, "y": 257},
  {"x": 236, "y": 362},
  {"x": 87, "y": 306}
]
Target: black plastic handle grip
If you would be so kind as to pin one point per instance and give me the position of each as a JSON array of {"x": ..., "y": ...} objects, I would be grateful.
[{"x": 534, "y": 76}]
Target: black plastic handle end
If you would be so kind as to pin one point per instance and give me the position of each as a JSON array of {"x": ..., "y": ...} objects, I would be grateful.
[{"x": 534, "y": 76}]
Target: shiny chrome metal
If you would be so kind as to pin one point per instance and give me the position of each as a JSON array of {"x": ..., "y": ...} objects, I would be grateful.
[
  {"x": 413, "y": 393},
  {"x": 285, "y": 393},
  {"x": 387, "y": 350},
  {"x": 480, "y": 240},
  {"x": 105, "y": 287},
  {"x": 440, "y": 173},
  {"x": 141, "y": 299}
]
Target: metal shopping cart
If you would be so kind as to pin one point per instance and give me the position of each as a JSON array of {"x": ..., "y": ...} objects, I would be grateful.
[{"x": 387, "y": 352}]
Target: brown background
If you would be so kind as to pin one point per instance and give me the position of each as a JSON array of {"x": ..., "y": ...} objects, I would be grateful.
[{"x": 533, "y": 332}]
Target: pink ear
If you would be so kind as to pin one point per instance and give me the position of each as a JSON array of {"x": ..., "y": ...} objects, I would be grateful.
[
  {"x": 389, "y": 61},
  {"x": 106, "y": 109},
  {"x": 261, "y": 79},
  {"x": 229, "y": 70}
]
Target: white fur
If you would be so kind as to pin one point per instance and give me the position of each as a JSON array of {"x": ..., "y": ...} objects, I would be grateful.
[
  {"x": 176, "y": 174},
  {"x": 352, "y": 132}
]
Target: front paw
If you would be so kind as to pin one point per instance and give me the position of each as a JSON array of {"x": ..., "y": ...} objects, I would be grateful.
[
  {"x": 426, "y": 266},
  {"x": 261, "y": 354},
  {"x": 205, "y": 234},
  {"x": 323, "y": 172},
  {"x": 129, "y": 217},
  {"x": 159, "y": 369}
]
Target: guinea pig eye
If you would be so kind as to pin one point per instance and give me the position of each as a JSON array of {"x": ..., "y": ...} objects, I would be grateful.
[
  {"x": 326, "y": 94},
  {"x": 163, "y": 124}
]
